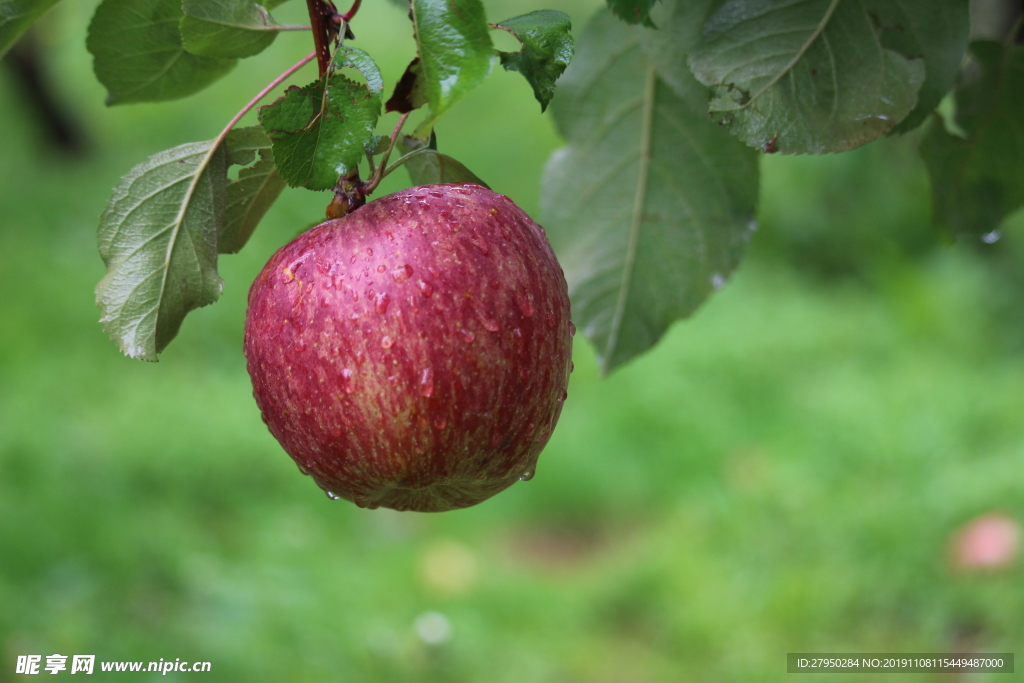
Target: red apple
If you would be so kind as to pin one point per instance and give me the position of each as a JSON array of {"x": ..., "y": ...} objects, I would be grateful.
[{"x": 414, "y": 354}]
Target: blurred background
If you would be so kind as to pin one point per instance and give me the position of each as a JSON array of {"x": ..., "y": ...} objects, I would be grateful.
[{"x": 828, "y": 457}]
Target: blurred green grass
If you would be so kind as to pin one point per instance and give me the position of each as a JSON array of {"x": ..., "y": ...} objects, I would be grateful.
[{"x": 781, "y": 474}]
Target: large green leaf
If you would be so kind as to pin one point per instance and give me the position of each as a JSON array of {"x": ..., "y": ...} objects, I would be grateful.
[
  {"x": 455, "y": 52},
  {"x": 808, "y": 76},
  {"x": 978, "y": 181},
  {"x": 650, "y": 205},
  {"x": 633, "y": 11},
  {"x": 158, "y": 239},
  {"x": 15, "y": 18},
  {"x": 138, "y": 54},
  {"x": 546, "y": 51},
  {"x": 937, "y": 31},
  {"x": 226, "y": 28},
  {"x": 251, "y": 194}
]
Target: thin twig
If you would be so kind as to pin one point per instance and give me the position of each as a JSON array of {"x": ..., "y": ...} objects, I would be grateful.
[
  {"x": 379, "y": 174},
  {"x": 320, "y": 34}
]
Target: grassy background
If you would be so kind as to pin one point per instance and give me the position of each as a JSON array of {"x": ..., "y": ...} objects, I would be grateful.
[{"x": 782, "y": 473}]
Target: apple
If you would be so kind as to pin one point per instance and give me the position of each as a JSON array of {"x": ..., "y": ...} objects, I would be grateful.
[{"x": 415, "y": 353}]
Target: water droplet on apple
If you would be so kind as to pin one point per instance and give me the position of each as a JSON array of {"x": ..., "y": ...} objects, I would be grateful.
[
  {"x": 436, "y": 194},
  {"x": 426, "y": 289},
  {"x": 440, "y": 423},
  {"x": 382, "y": 303},
  {"x": 303, "y": 469},
  {"x": 489, "y": 325},
  {"x": 387, "y": 342},
  {"x": 467, "y": 335},
  {"x": 524, "y": 304},
  {"x": 565, "y": 394},
  {"x": 526, "y": 476},
  {"x": 381, "y": 268},
  {"x": 332, "y": 495},
  {"x": 401, "y": 273},
  {"x": 369, "y": 251},
  {"x": 348, "y": 386},
  {"x": 287, "y": 276},
  {"x": 353, "y": 259},
  {"x": 300, "y": 345},
  {"x": 324, "y": 302},
  {"x": 572, "y": 329},
  {"x": 427, "y": 382}
]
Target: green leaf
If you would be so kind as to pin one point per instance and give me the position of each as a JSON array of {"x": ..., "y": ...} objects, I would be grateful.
[
  {"x": 158, "y": 239},
  {"x": 455, "y": 52},
  {"x": 321, "y": 134},
  {"x": 226, "y": 28},
  {"x": 806, "y": 76},
  {"x": 936, "y": 31},
  {"x": 138, "y": 55},
  {"x": 15, "y": 18},
  {"x": 633, "y": 11},
  {"x": 547, "y": 49},
  {"x": 253, "y": 192},
  {"x": 427, "y": 166},
  {"x": 978, "y": 181},
  {"x": 650, "y": 205},
  {"x": 361, "y": 61}
]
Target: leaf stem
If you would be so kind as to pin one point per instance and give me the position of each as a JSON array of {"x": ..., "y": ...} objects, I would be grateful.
[
  {"x": 383, "y": 169},
  {"x": 405, "y": 157},
  {"x": 260, "y": 95},
  {"x": 347, "y": 16}
]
